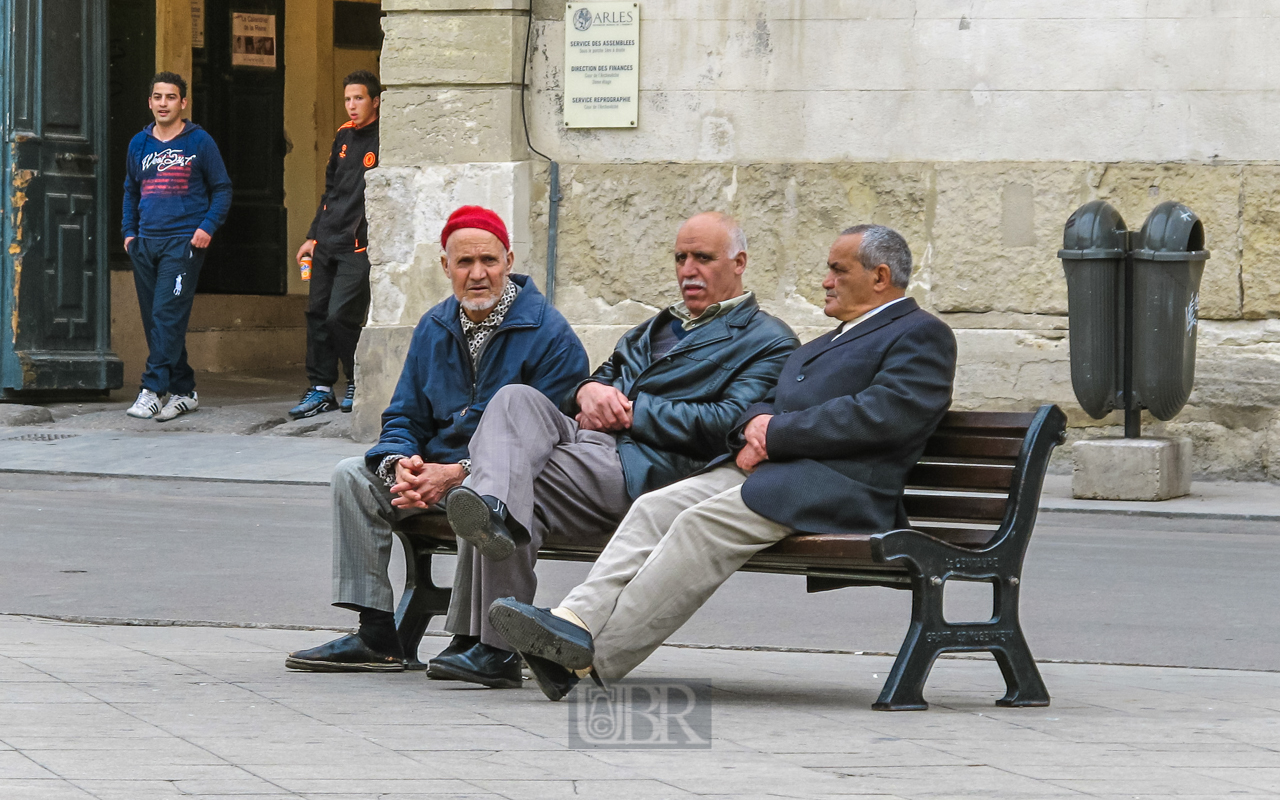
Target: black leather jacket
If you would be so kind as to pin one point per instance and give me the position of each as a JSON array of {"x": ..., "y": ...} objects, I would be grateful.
[{"x": 684, "y": 405}]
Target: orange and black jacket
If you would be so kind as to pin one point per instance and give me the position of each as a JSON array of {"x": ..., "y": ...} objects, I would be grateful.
[{"x": 340, "y": 224}]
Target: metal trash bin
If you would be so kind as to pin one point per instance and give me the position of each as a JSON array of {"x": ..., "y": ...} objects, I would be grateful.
[
  {"x": 1094, "y": 243},
  {"x": 1168, "y": 262}
]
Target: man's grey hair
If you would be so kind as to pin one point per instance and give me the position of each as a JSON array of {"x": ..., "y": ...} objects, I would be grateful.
[
  {"x": 881, "y": 245},
  {"x": 737, "y": 238}
]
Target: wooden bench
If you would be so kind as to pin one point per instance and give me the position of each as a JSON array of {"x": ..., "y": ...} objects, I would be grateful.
[{"x": 972, "y": 501}]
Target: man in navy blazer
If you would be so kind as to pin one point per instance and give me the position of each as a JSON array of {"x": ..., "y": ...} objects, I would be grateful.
[{"x": 829, "y": 452}]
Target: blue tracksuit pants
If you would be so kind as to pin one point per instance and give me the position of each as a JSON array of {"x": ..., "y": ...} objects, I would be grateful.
[{"x": 165, "y": 273}]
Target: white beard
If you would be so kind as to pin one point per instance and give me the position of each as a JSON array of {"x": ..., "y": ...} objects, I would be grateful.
[{"x": 481, "y": 305}]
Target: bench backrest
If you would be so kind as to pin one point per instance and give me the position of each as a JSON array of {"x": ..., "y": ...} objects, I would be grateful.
[{"x": 959, "y": 490}]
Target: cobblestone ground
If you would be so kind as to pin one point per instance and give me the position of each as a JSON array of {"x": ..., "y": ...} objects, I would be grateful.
[{"x": 150, "y": 713}]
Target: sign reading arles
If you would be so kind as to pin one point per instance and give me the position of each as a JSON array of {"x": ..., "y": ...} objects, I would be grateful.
[{"x": 601, "y": 65}]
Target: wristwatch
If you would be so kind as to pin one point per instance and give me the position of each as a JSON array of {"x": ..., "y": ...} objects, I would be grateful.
[{"x": 466, "y": 465}]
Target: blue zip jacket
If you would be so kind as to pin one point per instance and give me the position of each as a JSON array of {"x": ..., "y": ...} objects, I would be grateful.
[
  {"x": 440, "y": 397},
  {"x": 172, "y": 188}
]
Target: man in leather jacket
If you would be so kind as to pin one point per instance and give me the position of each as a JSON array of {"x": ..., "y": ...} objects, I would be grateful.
[
  {"x": 659, "y": 409},
  {"x": 827, "y": 453}
]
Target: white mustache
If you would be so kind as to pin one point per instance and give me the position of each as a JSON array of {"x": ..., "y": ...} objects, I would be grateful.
[{"x": 692, "y": 283}]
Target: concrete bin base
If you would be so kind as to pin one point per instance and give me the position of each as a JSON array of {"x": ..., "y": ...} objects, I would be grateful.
[{"x": 1131, "y": 469}]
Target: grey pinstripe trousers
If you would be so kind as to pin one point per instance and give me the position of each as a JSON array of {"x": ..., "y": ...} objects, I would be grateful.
[
  {"x": 362, "y": 520},
  {"x": 553, "y": 476}
]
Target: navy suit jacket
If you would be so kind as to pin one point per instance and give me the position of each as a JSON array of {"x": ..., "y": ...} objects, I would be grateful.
[{"x": 851, "y": 418}]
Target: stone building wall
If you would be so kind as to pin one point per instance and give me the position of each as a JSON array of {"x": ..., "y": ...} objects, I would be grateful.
[{"x": 974, "y": 129}]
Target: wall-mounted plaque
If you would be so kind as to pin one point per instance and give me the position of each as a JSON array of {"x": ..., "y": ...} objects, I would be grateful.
[
  {"x": 253, "y": 40},
  {"x": 601, "y": 65},
  {"x": 197, "y": 24}
]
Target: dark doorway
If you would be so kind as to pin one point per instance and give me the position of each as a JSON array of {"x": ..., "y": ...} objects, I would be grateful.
[
  {"x": 54, "y": 284},
  {"x": 132, "y": 49},
  {"x": 238, "y": 92}
]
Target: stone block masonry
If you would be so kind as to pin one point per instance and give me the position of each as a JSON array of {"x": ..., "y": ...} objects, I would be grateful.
[
  {"x": 987, "y": 264},
  {"x": 1132, "y": 469},
  {"x": 973, "y": 131}
]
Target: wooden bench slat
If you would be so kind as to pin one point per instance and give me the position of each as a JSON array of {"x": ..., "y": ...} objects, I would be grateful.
[
  {"x": 955, "y": 506},
  {"x": 925, "y": 515},
  {"x": 948, "y": 444},
  {"x": 850, "y": 549},
  {"x": 1016, "y": 422},
  {"x": 961, "y": 475}
]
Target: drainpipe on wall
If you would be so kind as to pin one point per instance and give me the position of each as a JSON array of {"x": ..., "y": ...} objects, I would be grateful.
[
  {"x": 553, "y": 212},
  {"x": 553, "y": 229}
]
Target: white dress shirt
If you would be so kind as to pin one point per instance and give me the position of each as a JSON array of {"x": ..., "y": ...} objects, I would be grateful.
[{"x": 844, "y": 326}]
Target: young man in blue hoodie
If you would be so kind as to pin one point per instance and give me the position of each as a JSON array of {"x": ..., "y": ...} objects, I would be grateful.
[{"x": 176, "y": 195}]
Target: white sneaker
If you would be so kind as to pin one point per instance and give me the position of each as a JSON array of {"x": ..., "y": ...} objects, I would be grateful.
[
  {"x": 178, "y": 404},
  {"x": 146, "y": 406}
]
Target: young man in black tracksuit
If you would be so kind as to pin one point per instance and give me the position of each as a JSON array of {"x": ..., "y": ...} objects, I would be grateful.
[{"x": 338, "y": 244}]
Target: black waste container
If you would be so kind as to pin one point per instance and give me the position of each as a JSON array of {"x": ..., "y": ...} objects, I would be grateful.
[
  {"x": 1168, "y": 262},
  {"x": 1093, "y": 252}
]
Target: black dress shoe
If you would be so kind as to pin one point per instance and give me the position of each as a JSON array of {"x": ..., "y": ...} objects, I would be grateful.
[
  {"x": 458, "y": 644},
  {"x": 483, "y": 664},
  {"x": 538, "y": 632},
  {"x": 482, "y": 520},
  {"x": 554, "y": 680},
  {"x": 348, "y": 654}
]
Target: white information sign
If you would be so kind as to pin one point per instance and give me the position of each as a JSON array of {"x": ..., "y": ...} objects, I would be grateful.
[
  {"x": 601, "y": 65},
  {"x": 197, "y": 23},
  {"x": 253, "y": 40}
]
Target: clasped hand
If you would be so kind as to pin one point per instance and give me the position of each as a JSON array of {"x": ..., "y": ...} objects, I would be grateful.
[
  {"x": 754, "y": 453},
  {"x": 419, "y": 484},
  {"x": 604, "y": 408}
]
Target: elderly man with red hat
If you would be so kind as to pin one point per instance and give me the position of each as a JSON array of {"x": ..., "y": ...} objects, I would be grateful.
[{"x": 496, "y": 330}]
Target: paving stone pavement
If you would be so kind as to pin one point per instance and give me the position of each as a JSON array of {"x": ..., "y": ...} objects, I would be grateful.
[
  {"x": 175, "y": 455},
  {"x": 150, "y": 713}
]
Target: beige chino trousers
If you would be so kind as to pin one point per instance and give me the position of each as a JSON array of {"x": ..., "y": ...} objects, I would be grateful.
[{"x": 669, "y": 555}]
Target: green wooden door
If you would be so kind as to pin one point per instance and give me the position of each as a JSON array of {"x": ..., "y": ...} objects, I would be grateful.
[{"x": 55, "y": 290}]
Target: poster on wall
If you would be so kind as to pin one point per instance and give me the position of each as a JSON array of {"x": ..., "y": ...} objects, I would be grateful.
[
  {"x": 253, "y": 40},
  {"x": 197, "y": 23},
  {"x": 601, "y": 65}
]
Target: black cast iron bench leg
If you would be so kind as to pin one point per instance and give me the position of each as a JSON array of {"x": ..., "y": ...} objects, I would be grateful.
[
  {"x": 1024, "y": 686},
  {"x": 930, "y": 635},
  {"x": 904, "y": 688},
  {"x": 421, "y": 600},
  {"x": 932, "y": 564}
]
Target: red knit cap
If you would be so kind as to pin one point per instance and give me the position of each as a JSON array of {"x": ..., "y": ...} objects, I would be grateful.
[{"x": 475, "y": 217}]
